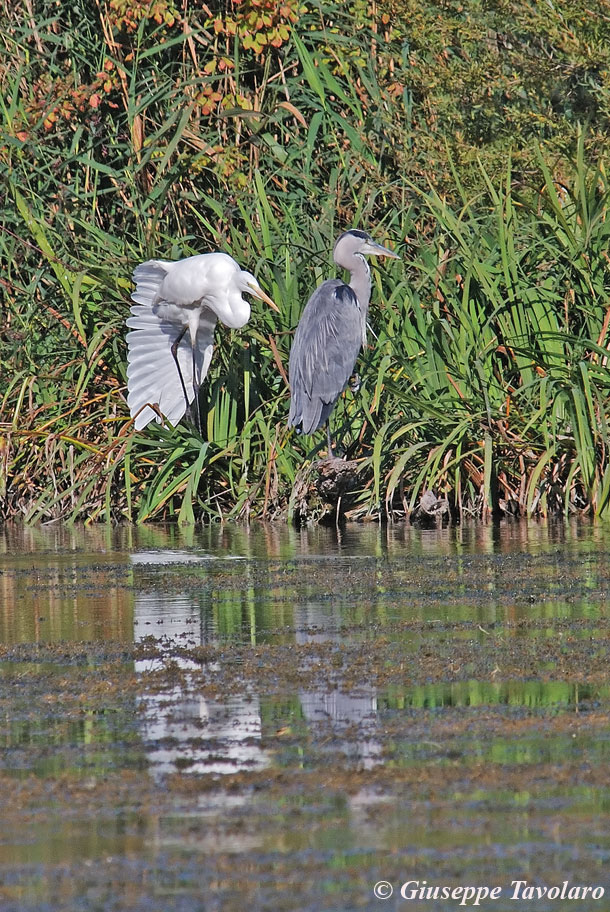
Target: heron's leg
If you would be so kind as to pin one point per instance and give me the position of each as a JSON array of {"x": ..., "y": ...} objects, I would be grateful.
[
  {"x": 174, "y": 351},
  {"x": 329, "y": 439}
]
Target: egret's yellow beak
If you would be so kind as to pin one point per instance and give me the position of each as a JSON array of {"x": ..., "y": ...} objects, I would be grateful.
[{"x": 259, "y": 293}]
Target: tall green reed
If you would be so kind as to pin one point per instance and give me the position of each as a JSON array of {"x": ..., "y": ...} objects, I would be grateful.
[{"x": 485, "y": 378}]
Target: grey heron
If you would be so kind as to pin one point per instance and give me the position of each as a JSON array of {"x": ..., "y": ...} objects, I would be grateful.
[
  {"x": 330, "y": 334},
  {"x": 172, "y": 326}
]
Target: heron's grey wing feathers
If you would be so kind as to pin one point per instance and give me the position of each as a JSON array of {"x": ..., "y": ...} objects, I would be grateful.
[
  {"x": 152, "y": 377},
  {"x": 322, "y": 358}
]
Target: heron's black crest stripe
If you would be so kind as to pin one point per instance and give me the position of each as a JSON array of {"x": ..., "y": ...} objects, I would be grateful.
[
  {"x": 345, "y": 295},
  {"x": 357, "y": 233}
]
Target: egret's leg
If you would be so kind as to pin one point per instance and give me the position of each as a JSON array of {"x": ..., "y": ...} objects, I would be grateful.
[
  {"x": 196, "y": 388},
  {"x": 174, "y": 351}
]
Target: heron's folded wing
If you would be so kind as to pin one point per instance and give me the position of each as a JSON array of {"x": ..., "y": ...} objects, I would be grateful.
[{"x": 325, "y": 348}]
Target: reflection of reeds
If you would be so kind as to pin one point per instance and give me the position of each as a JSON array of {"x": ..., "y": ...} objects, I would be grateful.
[
  {"x": 486, "y": 380},
  {"x": 65, "y": 599}
]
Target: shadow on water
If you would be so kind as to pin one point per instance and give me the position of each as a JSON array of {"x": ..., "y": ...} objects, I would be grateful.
[{"x": 204, "y": 719}]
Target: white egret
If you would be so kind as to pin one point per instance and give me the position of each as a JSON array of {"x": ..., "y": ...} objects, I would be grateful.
[{"x": 172, "y": 326}]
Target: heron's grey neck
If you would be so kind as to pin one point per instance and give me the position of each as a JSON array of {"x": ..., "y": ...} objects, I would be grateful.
[{"x": 360, "y": 281}]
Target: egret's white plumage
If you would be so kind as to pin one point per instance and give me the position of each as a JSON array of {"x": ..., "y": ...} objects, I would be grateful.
[{"x": 177, "y": 304}]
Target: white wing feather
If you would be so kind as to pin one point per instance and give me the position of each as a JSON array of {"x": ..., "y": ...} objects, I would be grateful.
[{"x": 152, "y": 377}]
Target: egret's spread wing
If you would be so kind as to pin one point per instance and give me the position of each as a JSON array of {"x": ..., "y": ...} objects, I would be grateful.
[
  {"x": 152, "y": 376},
  {"x": 322, "y": 358}
]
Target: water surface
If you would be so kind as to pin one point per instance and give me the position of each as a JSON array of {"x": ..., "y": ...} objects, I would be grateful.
[{"x": 282, "y": 719}]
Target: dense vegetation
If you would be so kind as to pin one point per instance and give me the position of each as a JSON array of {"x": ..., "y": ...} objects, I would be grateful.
[{"x": 469, "y": 136}]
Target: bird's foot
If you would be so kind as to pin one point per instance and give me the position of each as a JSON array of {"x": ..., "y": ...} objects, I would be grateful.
[{"x": 193, "y": 418}]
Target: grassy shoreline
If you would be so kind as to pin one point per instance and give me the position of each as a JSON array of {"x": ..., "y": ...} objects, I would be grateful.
[{"x": 133, "y": 129}]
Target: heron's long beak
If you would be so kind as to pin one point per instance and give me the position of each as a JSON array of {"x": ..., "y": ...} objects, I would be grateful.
[
  {"x": 258, "y": 292},
  {"x": 373, "y": 249}
]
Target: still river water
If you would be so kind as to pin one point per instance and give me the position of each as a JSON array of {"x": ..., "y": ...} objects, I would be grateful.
[{"x": 267, "y": 719}]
